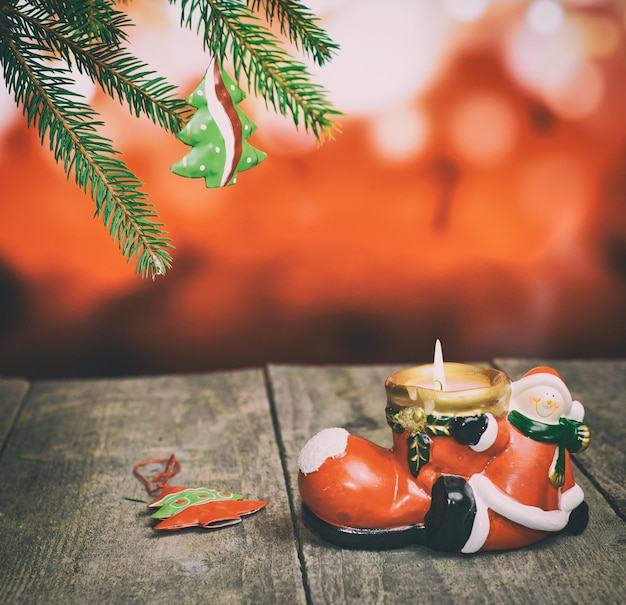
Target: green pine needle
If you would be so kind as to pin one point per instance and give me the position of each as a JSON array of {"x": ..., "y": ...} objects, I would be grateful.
[
  {"x": 299, "y": 25},
  {"x": 90, "y": 19},
  {"x": 118, "y": 73}
]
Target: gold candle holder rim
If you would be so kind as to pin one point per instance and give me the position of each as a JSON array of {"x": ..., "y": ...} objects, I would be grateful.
[{"x": 490, "y": 396}]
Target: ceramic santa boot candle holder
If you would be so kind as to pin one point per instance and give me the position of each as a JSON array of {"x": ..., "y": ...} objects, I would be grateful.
[{"x": 480, "y": 464}]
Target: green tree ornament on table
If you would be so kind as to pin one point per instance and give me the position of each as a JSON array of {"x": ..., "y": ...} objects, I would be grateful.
[
  {"x": 180, "y": 507},
  {"x": 217, "y": 132}
]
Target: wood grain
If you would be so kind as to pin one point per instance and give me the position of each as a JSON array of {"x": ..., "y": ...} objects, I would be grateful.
[
  {"x": 12, "y": 392},
  {"x": 563, "y": 569},
  {"x": 69, "y": 533}
]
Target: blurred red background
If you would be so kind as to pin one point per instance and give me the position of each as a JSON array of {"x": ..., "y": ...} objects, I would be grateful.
[{"x": 476, "y": 194}]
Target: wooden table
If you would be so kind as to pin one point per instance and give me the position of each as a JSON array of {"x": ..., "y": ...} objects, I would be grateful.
[{"x": 72, "y": 531}]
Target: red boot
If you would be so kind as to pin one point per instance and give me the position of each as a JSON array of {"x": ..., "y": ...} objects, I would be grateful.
[{"x": 359, "y": 493}]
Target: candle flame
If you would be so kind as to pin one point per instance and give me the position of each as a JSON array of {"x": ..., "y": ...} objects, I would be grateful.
[{"x": 439, "y": 375}]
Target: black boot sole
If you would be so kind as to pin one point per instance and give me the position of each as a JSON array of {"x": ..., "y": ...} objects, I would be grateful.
[{"x": 363, "y": 538}]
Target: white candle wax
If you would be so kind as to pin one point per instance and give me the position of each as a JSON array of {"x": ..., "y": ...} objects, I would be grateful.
[{"x": 456, "y": 384}]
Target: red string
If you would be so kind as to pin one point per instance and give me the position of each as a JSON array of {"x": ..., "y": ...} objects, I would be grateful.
[{"x": 172, "y": 467}]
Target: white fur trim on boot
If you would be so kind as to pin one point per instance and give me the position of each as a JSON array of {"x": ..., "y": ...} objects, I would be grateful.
[{"x": 328, "y": 443}]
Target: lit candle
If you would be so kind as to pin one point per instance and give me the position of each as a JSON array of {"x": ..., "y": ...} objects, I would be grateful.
[
  {"x": 439, "y": 373},
  {"x": 438, "y": 381},
  {"x": 449, "y": 388}
]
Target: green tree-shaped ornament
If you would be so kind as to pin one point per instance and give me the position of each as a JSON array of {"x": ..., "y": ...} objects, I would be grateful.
[{"x": 217, "y": 132}]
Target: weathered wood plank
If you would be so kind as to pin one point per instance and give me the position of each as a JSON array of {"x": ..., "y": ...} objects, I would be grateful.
[
  {"x": 68, "y": 534},
  {"x": 601, "y": 387},
  {"x": 12, "y": 392},
  {"x": 566, "y": 569}
]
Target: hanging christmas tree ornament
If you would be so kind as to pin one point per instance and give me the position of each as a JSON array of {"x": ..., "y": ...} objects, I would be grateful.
[
  {"x": 217, "y": 132},
  {"x": 180, "y": 507}
]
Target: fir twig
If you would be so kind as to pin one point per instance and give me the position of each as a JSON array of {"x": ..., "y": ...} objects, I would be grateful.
[
  {"x": 271, "y": 71},
  {"x": 117, "y": 71},
  {"x": 71, "y": 127},
  {"x": 299, "y": 26},
  {"x": 90, "y": 19}
]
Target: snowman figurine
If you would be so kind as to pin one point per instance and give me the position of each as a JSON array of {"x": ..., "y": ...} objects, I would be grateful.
[{"x": 528, "y": 490}]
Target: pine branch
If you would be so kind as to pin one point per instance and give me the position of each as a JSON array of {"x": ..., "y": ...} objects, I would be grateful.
[
  {"x": 298, "y": 25},
  {"x": 271, "y": 71},
  {"x": 90, "y": 19},
  {"x": 118, "y": 72},
  {"x": 71, "y": 127}
]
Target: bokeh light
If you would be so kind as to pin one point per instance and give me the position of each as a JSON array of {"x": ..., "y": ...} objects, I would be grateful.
[
  {"x": 545, "y": 17},
  {"x": 574, "y": 89},
  {"x": 400, "y": 133},
  {"x": 483, "y": 128},
  {"x": 466, "y": 10}
]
